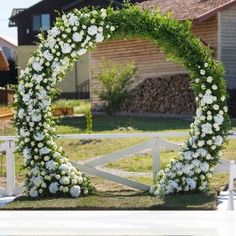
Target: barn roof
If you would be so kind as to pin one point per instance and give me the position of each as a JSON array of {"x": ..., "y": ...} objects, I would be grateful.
[{"x": 198, "y": 10}]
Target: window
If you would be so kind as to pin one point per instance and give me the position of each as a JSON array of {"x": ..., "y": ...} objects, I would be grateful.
[{"x": 41, "y": 22}]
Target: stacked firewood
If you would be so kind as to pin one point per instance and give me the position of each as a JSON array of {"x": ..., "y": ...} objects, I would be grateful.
[{"x": 167, "y": 95}]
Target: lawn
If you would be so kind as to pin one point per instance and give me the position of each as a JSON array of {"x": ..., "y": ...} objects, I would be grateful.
[
  {"x": 119, "y": 200},
  {"x": 116, "y": 196}
]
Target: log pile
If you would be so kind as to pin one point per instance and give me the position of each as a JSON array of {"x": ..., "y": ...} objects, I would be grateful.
[{"x": 167, "y": 95}]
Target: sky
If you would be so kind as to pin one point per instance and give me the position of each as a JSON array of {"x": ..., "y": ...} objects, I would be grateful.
[{"x": 6, "y": 7}]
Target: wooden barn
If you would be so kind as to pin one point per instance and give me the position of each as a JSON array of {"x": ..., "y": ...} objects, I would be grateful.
[
  {"x": 163, "y": 86},
  {"x": 159, "y": 86}
]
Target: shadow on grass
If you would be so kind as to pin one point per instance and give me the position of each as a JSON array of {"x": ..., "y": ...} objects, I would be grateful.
[
  {"x": 109, "y": 123},
  {"x": 118, "y": 200}
]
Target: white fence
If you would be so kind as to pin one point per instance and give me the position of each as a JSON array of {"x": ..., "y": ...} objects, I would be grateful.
[
  {"x": 90, "y": 167},
  {"x": 155, "y": 142},
  {"x": 232, "y": 177}
]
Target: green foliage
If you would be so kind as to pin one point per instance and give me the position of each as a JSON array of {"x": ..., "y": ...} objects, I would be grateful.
[
  {"x": 89, "y": 120},
  {"x": 66, "y": 103},
  {"x": 79, "y": 106},
  {"x": 115, "y": 78}
]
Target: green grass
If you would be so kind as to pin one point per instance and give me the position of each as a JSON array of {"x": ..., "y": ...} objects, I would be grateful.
[
  {"x": 121, "y": 200},
  {"x": 141, "y": 163},
  {"x": 104, "y": 123},
  {"x": 80, "y": 105},
  {"x": 76, "y": 151}
]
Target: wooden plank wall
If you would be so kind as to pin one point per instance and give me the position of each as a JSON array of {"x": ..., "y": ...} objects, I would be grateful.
[
  {"x": 228, "y": 45},
  {"x": 150, "y": 62}
]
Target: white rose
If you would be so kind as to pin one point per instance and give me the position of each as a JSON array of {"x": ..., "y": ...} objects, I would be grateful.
[
  {"x": 214, "y": 87},
  {"x": 48, "y": 55},
  {"x": 66, "y": 48},
  {"x": 208, "y": 99},
  {"x": 209, "y": 79},
  {"x": 51, "y": 165},
  {"x": 81, "y": 52},
  {"x": 207, "y": 128},
  {"x": 201, "y": 143},
  {"x": 192, "y": 183},
  {"x": 44, "y": 151},
  {"x": 204, "y": 167},
  {"x": 26, "y": 98},
  {"x": 218, "y": 140},
  {"x": 219, "y": 119},
  {"x": 37, "y": 66},
  {"x": 216, "y": 107},
  {"x": 73, "y": 20},
  {"x": 112, "y": 28},
  {"x": 54, "y": 31},
  {"x": 38, "y": 181},
  {"x": 39, "y": 136},
  {"x": 77, "y": 37},
  {"x": 99, "y": 37},
  {"x": 27, "y": 154},
  {"x": 33, "y": 193},
  {"x": 202, "y": 72},
  {"x": 21, "y": 113},
  {"x": 54, "y": 187},
  {"x": 103, "y": 13},
  {"x": 64, "y": 180},
  {"x": 188, "y": 155},
  {"x": 75, "y": 191},
  {"x": 92, "y": 30}
]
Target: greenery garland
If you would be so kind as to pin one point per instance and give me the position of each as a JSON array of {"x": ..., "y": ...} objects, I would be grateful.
[{"x": 49, "y": 171}]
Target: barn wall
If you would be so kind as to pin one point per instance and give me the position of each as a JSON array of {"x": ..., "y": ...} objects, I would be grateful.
[
  {"x": 228, "y": 44},
  {"x": 150, "y": 62}
]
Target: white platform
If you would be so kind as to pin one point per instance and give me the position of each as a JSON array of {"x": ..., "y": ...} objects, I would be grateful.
[
  {"x": 223, "y": 201},
  {"x": 197, "y": 223},
  {"x": 6, "y": 200}
]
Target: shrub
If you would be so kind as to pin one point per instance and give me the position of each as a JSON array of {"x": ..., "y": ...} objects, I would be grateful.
[
  {"x": 114, "y": 78},
  {"x": 89, "y": 120}
]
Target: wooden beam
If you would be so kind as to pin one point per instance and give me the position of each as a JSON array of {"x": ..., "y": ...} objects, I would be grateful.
[{"x": 114, "y": 178}]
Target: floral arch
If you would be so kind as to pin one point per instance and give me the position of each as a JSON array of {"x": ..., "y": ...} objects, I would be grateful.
[{"x": 49, "y": 171}]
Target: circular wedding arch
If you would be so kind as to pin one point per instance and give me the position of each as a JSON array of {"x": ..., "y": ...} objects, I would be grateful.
[{"x": 49, "y": 171}]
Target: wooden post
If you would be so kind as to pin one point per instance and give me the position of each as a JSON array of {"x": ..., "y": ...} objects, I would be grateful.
[
  {"x": 10, "y": 147},
  {"x": 155, "y": 158}
]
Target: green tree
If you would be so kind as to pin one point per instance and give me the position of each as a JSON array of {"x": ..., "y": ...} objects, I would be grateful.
[{"x": 114, "y": 79}]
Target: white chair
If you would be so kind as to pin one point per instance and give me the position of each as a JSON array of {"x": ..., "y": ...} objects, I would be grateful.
[{"x": 232, "y": 176}]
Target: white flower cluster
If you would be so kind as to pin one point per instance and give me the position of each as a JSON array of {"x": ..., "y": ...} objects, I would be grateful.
[
  {"x": 49, "y": 172},
  {"x": 193, "y": 169}
]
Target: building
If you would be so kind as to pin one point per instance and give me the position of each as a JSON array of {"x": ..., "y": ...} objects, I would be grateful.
[
  {"x": 214, "y": 21},
  {"x": 7, "y": 61},
  {"x": 41, "y": 16},
  {"x": 8, "y": 48}
]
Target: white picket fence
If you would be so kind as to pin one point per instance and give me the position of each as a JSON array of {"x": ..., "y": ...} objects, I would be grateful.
[
  {"x": 156, "y": 141},
  {"x": 232, "y": 177}
]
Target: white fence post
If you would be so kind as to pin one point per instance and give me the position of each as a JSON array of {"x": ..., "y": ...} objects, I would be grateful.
[
  {"x": 10, "y": 147},
  {"x": 155, "y": 158},
  {"x": 232, "y": 176}
]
